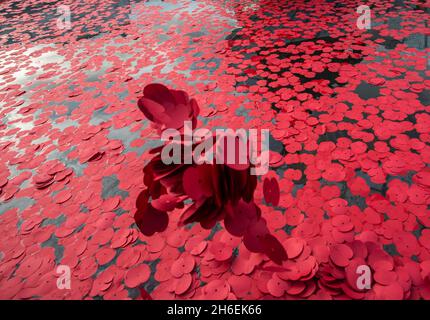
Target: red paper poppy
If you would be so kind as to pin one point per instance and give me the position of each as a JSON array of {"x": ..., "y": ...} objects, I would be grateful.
[{"x": 167, "y": 108}]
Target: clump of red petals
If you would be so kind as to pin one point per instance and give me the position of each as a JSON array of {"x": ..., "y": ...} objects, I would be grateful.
[
  {"x": 217, "y": 191},
  {"x": 167, "y": 108}
]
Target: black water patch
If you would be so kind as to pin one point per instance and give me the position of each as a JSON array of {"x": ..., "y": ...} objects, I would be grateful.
[
  {"x": 19, "y": 203},
  {"x": 353, "y": 199},
  {"x": 394, "y": 23},
  {"x": 120, "y": 211},
  {"x": 389, "y": 42},
  {"x": 56, "y": 222},
  {"x": 276, "y": 146},
  {"x": 380, "y": 188},
  {"x": 417, "y": 40},
  {"x": 424, "y": 97},
  {"x": 405, "y": 178},
  {"x": 58, "y": 249},
  {"x": 417, "y": 232},
  {"x": 333, "y": 136},
  {"x": 367, "y": 91},
  {"x": 47, "y": 11},
  {"x": 302, "y": 167},
  {"x": 391, "y": 249},
  {"x": 412, "y": 134},
  {"x": 324, "y": 75},
  {"x": 87, "y": 36},
  {"x": 288, "y": 229},
  {"x": 151, "y": 284},
  {"x": 110, "y": 188},
  {"x": 254, "y": 18},
  {"x": 296, "y": 188}
]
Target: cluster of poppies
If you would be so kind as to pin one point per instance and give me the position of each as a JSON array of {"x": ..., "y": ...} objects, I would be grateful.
[{"x": 217, "y": 191}]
